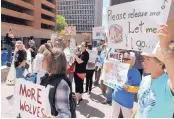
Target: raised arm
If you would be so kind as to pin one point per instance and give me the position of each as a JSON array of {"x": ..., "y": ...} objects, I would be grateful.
[{"x": 168, "y": 54}]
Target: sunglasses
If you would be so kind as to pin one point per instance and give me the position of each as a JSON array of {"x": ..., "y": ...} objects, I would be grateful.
[{"x": 126, "y": 59}]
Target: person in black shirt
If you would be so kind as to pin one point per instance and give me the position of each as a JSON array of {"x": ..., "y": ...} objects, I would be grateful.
[
  {"x": 9, "y": 40},
  {"x": 20, "y": 59},
  {"x": 32, "y": 48},
  {"x": 81, "y": 60}
]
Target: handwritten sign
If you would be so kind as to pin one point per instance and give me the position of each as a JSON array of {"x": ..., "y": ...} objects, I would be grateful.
[
  {"x": 92, "y": 56},
  {"x": 70, "y": 30},
  {"x": 134, "y": 25},
  {"x": 115, "y": 72},
  {"x": 29, "y": 100},
  {"x": 99, "y": 32}
]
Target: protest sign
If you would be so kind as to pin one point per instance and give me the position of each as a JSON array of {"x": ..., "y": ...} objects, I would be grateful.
[
  {"x": 72, "y": 43},
  {"x": 99, "y": 32},
  {"x": 115, "y": 72},
  {"x": 134, "y": 25},
  {"x": 92, "y": 56},
  {"x": 70, "y": 30},
  {"x": 29, "y": 100}
]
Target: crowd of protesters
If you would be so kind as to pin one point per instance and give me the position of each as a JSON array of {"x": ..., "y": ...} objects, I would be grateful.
[{"x": 56, "y": 64}]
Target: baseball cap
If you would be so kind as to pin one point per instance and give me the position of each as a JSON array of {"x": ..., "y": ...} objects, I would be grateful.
[{"x": 19, "y": 43}]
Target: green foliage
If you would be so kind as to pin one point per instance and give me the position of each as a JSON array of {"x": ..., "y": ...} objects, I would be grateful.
[{"x": 61, "y": 23}]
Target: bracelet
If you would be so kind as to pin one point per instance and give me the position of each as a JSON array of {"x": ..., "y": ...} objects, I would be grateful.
[{"x": 167, "y": 52}]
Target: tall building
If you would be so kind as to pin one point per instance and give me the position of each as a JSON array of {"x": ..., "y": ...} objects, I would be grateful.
[
  {"x": 28, "y": 18},
  {"x": 84, "y": 14},
  {"x": 115, "y": 2}
]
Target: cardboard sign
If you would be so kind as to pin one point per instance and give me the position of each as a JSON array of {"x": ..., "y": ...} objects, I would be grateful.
[
  {"x": 134, "y": 25},
  {"x": 99, "y": 33},
  {"x": 92, "y": 56},
  {"x": 115, "y": 72},
  {"x": 29, "y": 100},
  {"x": 70, "y": 30}
]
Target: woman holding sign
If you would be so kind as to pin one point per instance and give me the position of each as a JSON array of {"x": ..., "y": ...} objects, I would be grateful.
[
  {"x": 156, "y": 94},
  {"x": 81, "y": 60},
  {"x": 123, "y": 95}
]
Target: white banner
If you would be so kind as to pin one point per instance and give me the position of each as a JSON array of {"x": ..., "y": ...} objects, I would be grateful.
[
  {"x": 92, "y": 56},
  {"x": 134, "y": 25},
  {"x": 29, "y": 100},
  {"x": 99, "y": 33}
]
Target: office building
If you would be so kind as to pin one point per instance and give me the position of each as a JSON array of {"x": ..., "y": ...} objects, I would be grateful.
[
  {"x": 84, "y": 14},
  {"x": 28, "y": 18}
]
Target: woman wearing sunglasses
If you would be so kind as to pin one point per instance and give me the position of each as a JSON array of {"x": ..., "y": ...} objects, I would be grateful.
[{"x": 156, "y": 93}]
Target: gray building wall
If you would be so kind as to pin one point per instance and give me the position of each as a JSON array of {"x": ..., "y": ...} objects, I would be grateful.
[
  {"x": 115, "y": 2},
  {"x": 84, "y": 14}
]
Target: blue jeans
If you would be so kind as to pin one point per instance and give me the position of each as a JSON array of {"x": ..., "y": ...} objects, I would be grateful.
[
  {"x": 19, "y": 72},
  {"x": 9, "y": 53},
  {"x": 109, "y": 94}
]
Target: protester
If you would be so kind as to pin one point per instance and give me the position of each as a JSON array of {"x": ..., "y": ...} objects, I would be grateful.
[
  {"x": 54, "y": 63},
  {"x": 138, "y": 64},
  {"x": 32, "y": 47},
  {"x": 123, "y": 96},
  {"x": 37, "y": 63},
  {"x": 70, "y": 60},
  {"x": 98, "y": 69},
  {"x": 59, "y": 43},
  {"x": 10, "y": 43},
  {"x": 90, "y": 68},
  {"x": 156, "y": 94},
  {"x": 20, "y": 59},
  {"x": 81, "y": 60}
]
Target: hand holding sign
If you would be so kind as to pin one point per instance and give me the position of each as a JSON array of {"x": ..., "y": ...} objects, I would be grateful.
[{"x": 135, "y": 27}]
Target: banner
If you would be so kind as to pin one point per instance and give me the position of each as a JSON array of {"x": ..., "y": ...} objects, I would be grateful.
[
  {"x": 92, "y": 56},
  {"x": 29, "y": 100},
  {"x": 99, "y": 33},
  {"x": 134, "y": 25}
]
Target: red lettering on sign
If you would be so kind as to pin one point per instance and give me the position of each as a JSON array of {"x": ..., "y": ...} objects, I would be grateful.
[
  {"x": 23, "y": 90},
  {"x": 32, "y": 94},
  {"x": 38, "y": 111},
  {"x": 38, "y": 96}
]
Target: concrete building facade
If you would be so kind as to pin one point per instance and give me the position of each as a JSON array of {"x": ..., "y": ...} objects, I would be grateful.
[
  {"x": 28, "y": 18},
  {"x": 84, "y": 14}
]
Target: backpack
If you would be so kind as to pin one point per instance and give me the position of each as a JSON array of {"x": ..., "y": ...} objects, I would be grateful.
[{"x": 54, "y": 80}]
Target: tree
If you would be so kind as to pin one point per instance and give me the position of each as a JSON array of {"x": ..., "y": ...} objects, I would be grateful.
[{"x": 61, "y": 23}]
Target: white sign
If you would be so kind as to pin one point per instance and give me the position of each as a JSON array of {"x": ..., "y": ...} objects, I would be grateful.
[
  {"x": 115, "y": 72},
  {"x": 69, "y": 55},
  {"x": 70, "y": 30},
  {"x": 72, "y": 43},
  {"x": 92, "y": 56},
  {"x": 29, "y": 100},
  {"x": 99, "y": 32},
  {"x": 134, "y": 25}
]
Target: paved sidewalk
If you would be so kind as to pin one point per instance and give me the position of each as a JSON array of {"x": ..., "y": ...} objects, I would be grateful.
[{"x": 90, "y": 107}]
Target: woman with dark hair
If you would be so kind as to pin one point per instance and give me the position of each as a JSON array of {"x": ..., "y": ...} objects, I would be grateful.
[{"x": 81, "y": 60}]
